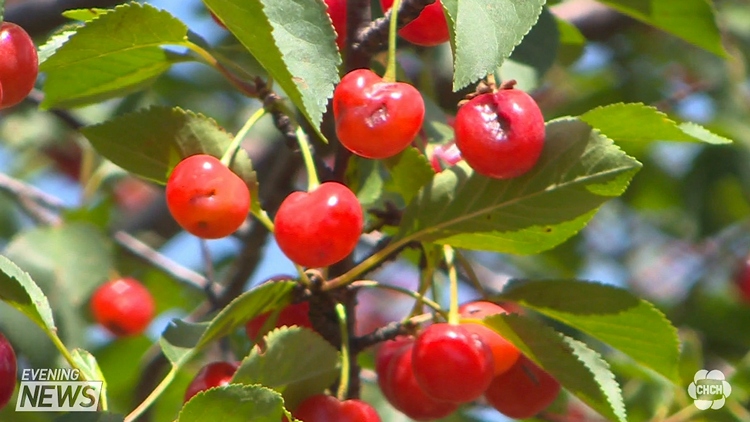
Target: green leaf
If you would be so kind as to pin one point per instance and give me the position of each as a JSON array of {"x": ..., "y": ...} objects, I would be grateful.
[
  {"x": 84, "y": 14},
  {"x": 180, "y": 339},
  {"x": 294, "y": 41},
  {"x": 151, "y": 142},
  {"x": 572, "y": 42},
  {"x": 692, "y": 20},
  {"x": 485, "y": 32},
  {"x": 90, "y": 417},
  {"x": 579, "y": 369},
  {"x": 408, "y": 171},
  {"x": 578, "y": 171},
  {"x": 535, "y": 55},
  {"x": 234, "y": 403},
  {"x": 297, "y": 363},
  {"x": 115, "y": 54},
  {"x": 90, "y": 370},
  {"x": 609, "y": 314},
  {"x": 19, "y": 290}
]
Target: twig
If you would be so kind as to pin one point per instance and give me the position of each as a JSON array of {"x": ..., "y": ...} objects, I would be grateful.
[
  {"x": 24, "y": 190},
  {"x": 374, "y": 38}
]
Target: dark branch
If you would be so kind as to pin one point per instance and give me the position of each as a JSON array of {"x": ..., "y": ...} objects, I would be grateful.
[{"x": 374, "y": 37}]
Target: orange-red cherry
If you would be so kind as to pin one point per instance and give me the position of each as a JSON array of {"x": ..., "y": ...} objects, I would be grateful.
[
  {"x": 337, "y": 12},
  {"x": 504, "y": 353},
  {"x": 430, "y": 28},
  {"x": 522, "y": 391},
  {"x": 19, "y": 64},
  {"x": 214, "y": 374},
  {"x": 294, "y": 314},
  {"x": 323, "y": 408},
  {"x": 123, "y": 306}
]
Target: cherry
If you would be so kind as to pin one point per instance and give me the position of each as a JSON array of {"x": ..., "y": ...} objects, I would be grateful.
[
  {"x": 501, "y": 134},
  {"x": 323, "y": 408},
  {"x": 321, "y": 227},
  {"x": 444, "y": 156},
  {"x": 206, "y": 198},
  {"x": 429, "y": 28},
  {"x": 214, "y": 374},
  {"x": 337, "y": 12},
  {"x": 383, "y": 358},
  {"x": 504, "y": 353},
  {"x": 19, "y": 64},
  {"x": 123, "y": 306},
  {"x": 742, "y": 280},
  {"x": 404, "y": 392},
  {"x": 8, "y": 370},
  {"x": 294, "y": 314},
  {"x": 522, "y": 391},
  {"x": 451, "y": 363},
  {"x": 376, "y": 119}
]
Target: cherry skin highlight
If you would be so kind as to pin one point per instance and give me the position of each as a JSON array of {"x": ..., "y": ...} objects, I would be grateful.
[
  {"x": 123, "y": 306},
  {"x": 323, "y": 408},
  {"x": 319, "y": 228},
  {"x": 19, "y": 64},
  {"x": 429, "y": 28},
  {"x": 294, "y": 314},
  {"x": 206, "y": 198},
  {"x": 452, "y": 364},
  {"x": 337, "y": 12},
  {"x": 376, "y": 119},
  {"x": 214, "y": 374},
  {"x": 504, "y": 353},
  {"x": 8, "y": 370},
  {"x": 523, "y": 391},
  {"x": 501, "y": 134}
]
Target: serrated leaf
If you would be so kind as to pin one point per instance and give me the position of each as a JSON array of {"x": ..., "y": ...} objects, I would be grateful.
[
  {"x": 294, "y": 41},
  {"x": 150, "y": 142},
  {"x": 579, "y": 369},
  {"x": 485, "y": 32},
  {"x": 609, "y": 314},
  {"x": 578, "y": 171},
  {"x": 84, "y": 14},
  {"x": 55, "y": 41},
  {"x": 90, "y": 370},
  {"x": 296, "y": 362},
  {"x": 19, "y": 291},
  {"x": 408, "y": 171},
  {"x": 180, "y": 339},
  {"x": 692, "y": 20},
  {"x": 115, "y": 54},
  {"x": 234, "y": 403}
]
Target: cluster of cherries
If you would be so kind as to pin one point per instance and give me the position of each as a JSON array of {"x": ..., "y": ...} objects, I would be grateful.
[{"x": 19, "y": 64}]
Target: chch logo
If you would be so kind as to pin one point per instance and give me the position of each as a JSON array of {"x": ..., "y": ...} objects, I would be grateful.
[{"x": 709, "y": 390}]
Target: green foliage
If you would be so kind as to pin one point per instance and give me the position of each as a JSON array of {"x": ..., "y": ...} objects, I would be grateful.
[
  {"x": 20, "y": 291},
  {"x": 232, "y": 403}
]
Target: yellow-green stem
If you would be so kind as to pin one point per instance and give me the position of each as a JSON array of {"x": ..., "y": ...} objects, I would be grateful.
[
  {"x": 345, "y": 364},
  {"x": 303, "y": 278},
  {"x": 86, "y": 171},
  {"x": 416, "y": 295},
  {"x": 153, "y": 396},
  {"x": 304, "y": 145},
  {"x": 229, "y": 154},
  {"x": 450, "y": 255},
  {"x": 63, "y": 350},
  {"x": 390, "y": 70},
  {"x": 262, "y": 217}
]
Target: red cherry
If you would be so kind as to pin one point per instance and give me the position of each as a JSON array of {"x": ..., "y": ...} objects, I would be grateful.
[
  {"x": 742, "y": 280},
  {"x": 406, "y": 395},
  {"x": 319, "y": 228},
  {"x": 295, "y": 314},
  {"x": 376, "y": 119},
  {"x": 206, "y": 198},
  {"x": 19, "y": 64},
  {"x": 383, "y": 358},
  {"x": 123, "y": 306},
  {"x": 8, "y": 370},
  {"x": 522, "y": 391},
  {"x": 444, "y": 156},
  {"x": 501, "y": 134},
  {"x": 337, "y": 12},
  {"x": 214, "y": 374},
  {"x": 452, "y": 364},
  {"x": 322, "y": 408},
  {"x": 504, "y": 353},
  {"x": 428, "y": 29}
]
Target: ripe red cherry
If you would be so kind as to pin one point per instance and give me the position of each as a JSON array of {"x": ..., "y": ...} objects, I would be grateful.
[
  {"x": 444, "y": 156},
  {"x": 214, "y": 374},
  {"x": 206, "y": 198},
  {"x": 295, "y": 314},
  {"x": 428, "y": 29},
  {"x": 404, "y": 393},
  {"x": 319, "y": 228},
  {"x": 504, "y": 353},
  {"x": 376, "y": 119},
  {"x": 19, "y": 64},
  {"x": 323, "y": 408},
  {"x": 383, "y": 358},
  {"x": 337, "y": 12},
  {"x": 452, "y": 364},
  {"x": 501, "y": 134},
  {"x": 742, "y": 280},
  {"x": 123, "y": 306},
  {"x": 523, "y": 391},
  {"x": 7, "y": 370}
]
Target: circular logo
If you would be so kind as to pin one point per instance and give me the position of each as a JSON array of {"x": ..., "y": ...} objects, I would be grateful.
[{"x": 709, "y": 390}]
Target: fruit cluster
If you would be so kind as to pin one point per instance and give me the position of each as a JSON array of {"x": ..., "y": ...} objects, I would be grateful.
[
  {"x": 19, "y": 64},
  {"x": 446, "y": 365}
]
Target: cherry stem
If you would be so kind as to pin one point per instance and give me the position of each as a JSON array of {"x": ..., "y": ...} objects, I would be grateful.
[
  {"x": 425, "y": 281},
  {"x": 390, "y": 70},
  {"x": 450, "y": 255},
  {"x": 470, "y": 273},
  {"x": 154, "y": 395},
  {"x": 345, "y": 364},
  {"x": 416, "y": 295},
  {"x": 304, "y": 145},
  {"x": 242, "y": 86},
  {"x": 303, "y": 278},
  {"x": 231, "y": 151}
]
